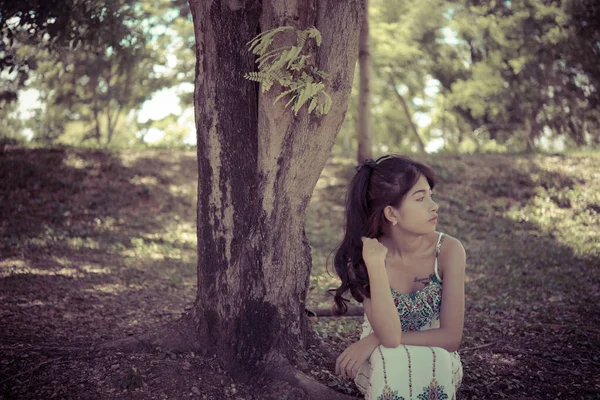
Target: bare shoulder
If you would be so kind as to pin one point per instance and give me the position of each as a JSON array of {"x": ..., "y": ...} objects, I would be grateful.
[{"x": 452, "y": 254}]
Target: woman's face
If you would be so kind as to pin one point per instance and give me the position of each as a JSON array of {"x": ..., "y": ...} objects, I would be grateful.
[{"x": 418, "y": 211}]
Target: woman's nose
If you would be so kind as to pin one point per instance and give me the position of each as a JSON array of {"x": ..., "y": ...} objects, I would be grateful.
[{"x": 434, "y": 206}]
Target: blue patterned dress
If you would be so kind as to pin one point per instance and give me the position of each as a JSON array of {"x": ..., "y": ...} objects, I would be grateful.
[{"x": 412, "y": 372}]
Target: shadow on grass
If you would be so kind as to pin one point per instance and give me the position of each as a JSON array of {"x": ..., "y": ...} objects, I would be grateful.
[{"x": 92, "y": 247}]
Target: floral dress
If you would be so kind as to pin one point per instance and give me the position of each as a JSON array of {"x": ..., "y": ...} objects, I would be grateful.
[{"x": 412, "y": 372}]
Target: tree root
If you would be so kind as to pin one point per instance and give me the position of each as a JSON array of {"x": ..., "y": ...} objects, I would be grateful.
[
  {"x": 181, "y": 336},
  {"x": 353, "y": 311},
  {"x": 311, "y": 389},
  {"x": 176, "y": 336},
  {"x": 317, "y": 342}
]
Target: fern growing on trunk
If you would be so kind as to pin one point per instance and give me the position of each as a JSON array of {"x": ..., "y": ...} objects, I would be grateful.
[{"x": 302, "y": 82}]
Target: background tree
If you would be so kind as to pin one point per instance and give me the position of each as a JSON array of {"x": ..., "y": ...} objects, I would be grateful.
[
  {"x": 523, "y": 78},
  {"x": 92, "y": 81},
  {"x": 501, "y": 76},
  {"x": 399, "y": 77}
]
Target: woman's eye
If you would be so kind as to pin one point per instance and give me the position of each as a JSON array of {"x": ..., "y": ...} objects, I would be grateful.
[{"x": 420, "y": 199}]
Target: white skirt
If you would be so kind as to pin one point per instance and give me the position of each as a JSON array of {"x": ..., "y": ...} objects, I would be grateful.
[{"x": 410, "y": 372}]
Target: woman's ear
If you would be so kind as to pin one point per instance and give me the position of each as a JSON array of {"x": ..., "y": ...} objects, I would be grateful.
[{"x": 390, "y": 215}]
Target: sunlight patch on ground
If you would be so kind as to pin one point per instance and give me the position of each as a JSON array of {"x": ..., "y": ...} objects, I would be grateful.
[
  {"x": 157, "y": 256},
  {"x": 62, "y": 261},
  {"x": 505, "y": 359},
  {"x": 327, "y": 181},
  {"x": 182, "y": 191},
  {"x": 325, "y": 281},
  {"x": 70, "y": 272},
  {"x": 12, "y": 262},
  {"x": 188, "y": 237},
  {"x": 144, "y": 180},
  {"x": 73, "y": 160},
  {"x": 108, "y": 288},
  {"x": 574, "y": 226},
  {"x": 38, "y": 242},
  {"x": 95, "y": 269},
  {"x": 14, "y": 266},
  {"x": 11, "y": 266},
  {"x": 26, "y": 270},
  {"x": 33, "y": 303}
]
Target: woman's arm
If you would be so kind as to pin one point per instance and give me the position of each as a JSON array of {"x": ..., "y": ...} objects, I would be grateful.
[
  {"x": 449, "y": 335},
  {"x": 380, "y": 308},
  {"x": 348, "y": 363}
]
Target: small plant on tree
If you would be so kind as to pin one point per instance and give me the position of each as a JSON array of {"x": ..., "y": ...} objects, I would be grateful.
[{"x": 302, "y": 82}]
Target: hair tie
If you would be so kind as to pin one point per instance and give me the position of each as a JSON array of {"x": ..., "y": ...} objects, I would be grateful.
[{"x": 368, "y": 163}]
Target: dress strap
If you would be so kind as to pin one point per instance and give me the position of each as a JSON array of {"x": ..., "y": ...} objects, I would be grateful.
[{"x": 438, "y": 246}]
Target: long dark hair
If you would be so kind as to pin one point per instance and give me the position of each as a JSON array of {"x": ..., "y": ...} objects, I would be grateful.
[{"x": 376, "y": 185}]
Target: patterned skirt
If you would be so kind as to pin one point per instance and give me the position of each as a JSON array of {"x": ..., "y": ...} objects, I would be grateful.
[{"x": 410, "y": 372}]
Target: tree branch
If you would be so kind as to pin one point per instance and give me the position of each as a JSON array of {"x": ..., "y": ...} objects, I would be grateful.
[
  {"x": 408, "y": 115},
  {"x": 353, "y": 311}
]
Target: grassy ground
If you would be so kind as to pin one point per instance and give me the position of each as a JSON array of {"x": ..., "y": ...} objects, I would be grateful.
[{"x": 95, "y": 246}]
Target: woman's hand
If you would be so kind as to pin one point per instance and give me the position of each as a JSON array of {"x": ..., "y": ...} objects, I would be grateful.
[
  {"x": 373, "y": 252},
  {"x": 348, "y": 363}
]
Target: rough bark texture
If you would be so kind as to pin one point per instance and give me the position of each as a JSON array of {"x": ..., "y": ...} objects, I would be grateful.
[
  {"x": 364, "y": 92},
  {"x": 258, "y": 165}
]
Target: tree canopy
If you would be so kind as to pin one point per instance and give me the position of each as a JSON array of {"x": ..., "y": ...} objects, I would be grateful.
[
  {"x": 90, "y": 62},
  {"x": 467, "y": 75},
  {"x": 485, "y": 75}
]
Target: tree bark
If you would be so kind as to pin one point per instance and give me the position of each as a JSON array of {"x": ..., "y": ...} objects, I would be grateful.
[
  {"x": 257, "y": 166},
  {"x": 364, "y": 91}
]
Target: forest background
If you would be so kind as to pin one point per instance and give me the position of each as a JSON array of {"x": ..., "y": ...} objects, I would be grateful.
[{"x": 456, "y": 76}]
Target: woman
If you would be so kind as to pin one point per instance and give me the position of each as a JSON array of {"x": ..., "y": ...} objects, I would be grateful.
[{"x": 393, "y": 261}]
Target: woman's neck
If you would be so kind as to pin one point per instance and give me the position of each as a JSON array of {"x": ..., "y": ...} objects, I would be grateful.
[{"x": 403, "y": 245}]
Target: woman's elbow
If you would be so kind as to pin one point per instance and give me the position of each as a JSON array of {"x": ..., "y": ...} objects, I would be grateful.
[
  {"x": 453, "y": 344},
  {"x": 451, "y": 347}
]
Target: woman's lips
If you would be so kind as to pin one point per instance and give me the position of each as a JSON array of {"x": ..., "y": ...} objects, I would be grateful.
[{"x": 433, "y": 220}]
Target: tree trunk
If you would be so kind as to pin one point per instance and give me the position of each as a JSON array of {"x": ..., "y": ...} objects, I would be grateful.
[
  {"x": 257, "y": 166},
  {"x": 364, "y": 91},
  {"x": 533, "y": 129},
  {"x": 97, "y": 131},
  {"x": 408, "y": 115}
]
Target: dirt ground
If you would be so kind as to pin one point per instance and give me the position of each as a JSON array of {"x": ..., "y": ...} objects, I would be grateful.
[{"x": 97, "y": 246}]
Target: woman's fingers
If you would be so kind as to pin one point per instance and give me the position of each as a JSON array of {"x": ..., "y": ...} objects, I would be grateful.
[
  {"x": 339, "y": 361},
  {"x": 349, "y": 368},
  {"x": 355, "y": 370},
  {"x": 344, "y": 366}
]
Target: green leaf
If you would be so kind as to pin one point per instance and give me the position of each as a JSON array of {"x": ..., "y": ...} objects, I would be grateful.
[
  {"x": 283, "y": 95},
  {"x": 313, "y": 104},
  {"x": 291, "y": 100},
  {"x": 328, "y": 103}
]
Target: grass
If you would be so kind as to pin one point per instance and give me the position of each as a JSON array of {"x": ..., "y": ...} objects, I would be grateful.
[{"x": 95, "y": 246}]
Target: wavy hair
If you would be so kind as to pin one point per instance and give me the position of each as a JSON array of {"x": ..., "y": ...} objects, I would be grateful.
[{"x": 376, "y": 185}]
